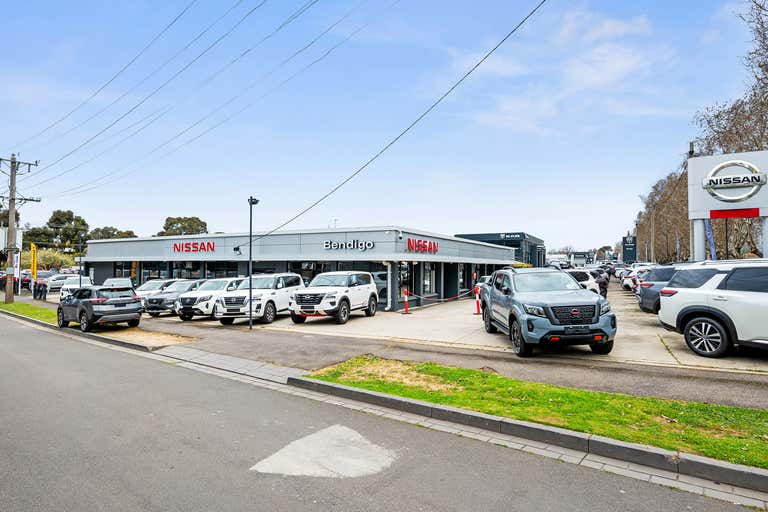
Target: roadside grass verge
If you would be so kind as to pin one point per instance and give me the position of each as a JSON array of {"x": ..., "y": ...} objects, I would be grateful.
[
  {"x": 733, "y": 434},
  {"x": 31, "y": 311}
]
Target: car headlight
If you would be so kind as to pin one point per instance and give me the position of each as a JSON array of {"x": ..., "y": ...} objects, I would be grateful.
[
  {"x": 331, "y": 295},
  {"x": 605, "y": 307},
  {"x": 291, "y": 297},
  {"x": 534, "y": 310},
  {"x": 204, "y": 298}
]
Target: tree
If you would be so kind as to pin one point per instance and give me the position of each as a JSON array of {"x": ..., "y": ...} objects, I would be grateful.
[
  {"x": 109, "y": 232},
  {"x": 68, "y": 228},
  {"x": 4, "y": 218},
  {"x": 43, "y": 237},
  {"x": 183, "y": 226},
  {"x": 47, "y": 259}
]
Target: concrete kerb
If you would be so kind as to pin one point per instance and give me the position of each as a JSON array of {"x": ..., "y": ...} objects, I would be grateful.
[
  {"x": 673, "y": 461},
  {"x": 89, "y": 335}
]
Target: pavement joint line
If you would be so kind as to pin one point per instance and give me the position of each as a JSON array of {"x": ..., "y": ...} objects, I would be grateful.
[{"x": 739, "y": 496}]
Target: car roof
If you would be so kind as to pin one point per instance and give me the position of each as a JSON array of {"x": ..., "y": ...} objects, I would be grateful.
[
  {"x": 344, "y": 272},
  {"x": 534, "y": 270}
]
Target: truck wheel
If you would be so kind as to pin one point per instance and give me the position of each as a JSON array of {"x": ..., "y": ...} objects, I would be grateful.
[
  {"x": 489, "y": 327},
  {"x": 85, "y": 325},
  {"x": 521, "y": 348},
  {"x": 706, "y": 337},
  {"x": 298, "y": 319},
  {"x": 269, "y": 313},
  {"x": 226, "y": 321},
  {"x": 602, "y": 348},
  {"x": 60, "y": 320},
  {"x": 371, "y": 309},
  {"x": 342, "y": 315},
  {"x": 134, "y": 323}
]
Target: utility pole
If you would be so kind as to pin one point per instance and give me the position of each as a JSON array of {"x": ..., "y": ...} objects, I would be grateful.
[{"x": 10, "y": 249}]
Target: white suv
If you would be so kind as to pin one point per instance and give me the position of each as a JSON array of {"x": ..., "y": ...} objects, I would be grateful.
[
  {"x": 717, "y": 305},
  {"x": 270, "y": 293},
  {"x": 585, "y": 279},
  {"x": 202, "y": 300},
  {"x": 335, "y": 294}
]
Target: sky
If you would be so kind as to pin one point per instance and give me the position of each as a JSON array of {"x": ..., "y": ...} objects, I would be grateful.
[{"x": 557, "y": 134}]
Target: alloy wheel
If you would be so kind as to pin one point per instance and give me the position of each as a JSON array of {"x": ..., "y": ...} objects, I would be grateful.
[
  {"x": 516, "y": 336},
  {"x": 705, "y": 337}
]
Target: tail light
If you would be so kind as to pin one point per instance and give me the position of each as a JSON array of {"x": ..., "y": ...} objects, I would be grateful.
[
  {"x": 646, "y": 285},
  {"x": 667, "y": 292},
  {"x": 100, "y": 300},
  {"x": 554, "y": 338}
]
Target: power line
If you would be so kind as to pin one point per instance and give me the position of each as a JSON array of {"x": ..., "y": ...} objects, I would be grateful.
[
  {"x": 147, "y": 77},
  {"x": 409, "y": 127},
  {"x": 113, "y": 78},
  {"x": 159, "y": 88},
  {"x": 284, "y": 62}
]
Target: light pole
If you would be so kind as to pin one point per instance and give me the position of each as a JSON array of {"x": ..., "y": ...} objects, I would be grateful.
[{"x": 252, "y": 201}]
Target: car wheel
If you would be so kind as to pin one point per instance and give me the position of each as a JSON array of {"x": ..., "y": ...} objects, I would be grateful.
[
  {"x": 60, "y": 320},
  {"x": 343, "y": 314},
  {"x": 153, "y": 314},
  {"x": 371, "y": 309},
  {"x": 521, "y": 348},
  {"x": 602, "y": 348},
  {"x": 85, "y": 325},
  {"x": 134, "y": 323},
  {"x": 706, "y": 337},
  {"x": 298, "y": 319},
  {"x": 226, "y": 321},
  {"x": 489, "y": 327},
  {"x": 657, "y": 307},
  {"x": 185, "y": 317},
  {"x": 269, "y": 313}
]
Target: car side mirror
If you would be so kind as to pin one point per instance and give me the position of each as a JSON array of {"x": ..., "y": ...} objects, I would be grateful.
[{"x": 506, "y": 290}]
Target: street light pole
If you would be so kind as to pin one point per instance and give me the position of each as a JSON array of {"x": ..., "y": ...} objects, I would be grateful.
[{"x": 252, "y": 201}]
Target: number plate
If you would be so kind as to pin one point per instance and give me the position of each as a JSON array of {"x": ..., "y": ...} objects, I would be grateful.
[
  {"x": 309, "y": 309},
  {"x": 119, "y": 305},
  {"x": 577, "y": 329},
  {"x": 233, "y": 310}
]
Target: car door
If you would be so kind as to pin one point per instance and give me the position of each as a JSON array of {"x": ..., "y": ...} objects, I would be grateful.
[
  {"x": 743, "y": 296},
  {"x": 367, "y": 287},
  {"x": 497, "y": 298},
  {"x": 281, "y": 293},
  {"x": 67, "y": 307},
  {"x": 292, "y": 284}
]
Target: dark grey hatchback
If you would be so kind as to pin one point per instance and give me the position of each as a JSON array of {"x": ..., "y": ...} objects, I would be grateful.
[{"x": 96, "y": 305}]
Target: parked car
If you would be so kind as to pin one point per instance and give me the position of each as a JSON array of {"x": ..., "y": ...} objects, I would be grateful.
[
  {"x": 601, "y": 278},
  {"x": 584, "y": 278},
  {"x": 97, "y": 305},
  {"x": 648, "y": 290},
  {"x": 718, "y": 305},
  {"x": 165, "y": 302},
  {"x": 71, "y": 284},
  {"x": 151, "y": 288},
  {"x": 202, "y": 300},
  {"x": 118, "y": 281},
  {"x": 55, "y": 281},
  {"x": 335, "y": 294},
  {"x": 271, "y": 296},
  {"x": 539, "y": 306}
]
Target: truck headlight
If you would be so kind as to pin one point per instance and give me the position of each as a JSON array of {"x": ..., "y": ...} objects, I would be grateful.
[
  {"x": 605, "y": 307},
  {"x": 534, "y": 310}
]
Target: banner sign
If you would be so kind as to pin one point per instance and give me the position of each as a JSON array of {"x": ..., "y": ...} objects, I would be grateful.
[{"x": 33, "y": 258}]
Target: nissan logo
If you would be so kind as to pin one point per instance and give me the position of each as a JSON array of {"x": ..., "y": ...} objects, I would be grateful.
[
  {"x": 575, "y": 312},
  {"x": 715, "y": 183}
]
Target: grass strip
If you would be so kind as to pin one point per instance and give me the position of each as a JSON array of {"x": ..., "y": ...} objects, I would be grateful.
[
  {"x": 733, "y": 434},
  {"x": 31, "y": 311}
]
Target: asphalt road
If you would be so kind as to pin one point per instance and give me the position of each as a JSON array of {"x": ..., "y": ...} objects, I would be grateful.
[{"x": 85, "y": 428}]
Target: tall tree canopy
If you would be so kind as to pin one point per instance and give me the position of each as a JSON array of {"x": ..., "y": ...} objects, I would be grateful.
[{"x": 183, "y": 226}]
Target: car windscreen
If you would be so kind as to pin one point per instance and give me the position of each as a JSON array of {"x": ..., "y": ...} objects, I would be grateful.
[
  {"x": 213, "y": 286},
  {"x": 77, "y": 280},
  {"x": 580, "y": 276},
  {"x": 691, "y": 278},
  {"x": 180, "y": 286},
  {"x": 150, "y": 286},
  {"x": 545, "y": 282},
  {"x": 661, "y": 274},
  {"x": 259, "y": 283},
  {"x": 330, "y": 280},
  {"x": 116, "y": 293}
]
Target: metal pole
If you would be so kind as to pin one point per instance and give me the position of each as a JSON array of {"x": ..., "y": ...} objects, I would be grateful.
[
  {"x": 10, "y": 246},
  {"x": 79, "y": 268},
  {"x": 250, "y": 264}
]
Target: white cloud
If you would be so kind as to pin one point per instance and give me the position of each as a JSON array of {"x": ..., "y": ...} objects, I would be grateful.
[
  {"x": 581, "y": 25},
  {"x": 530, "y": 113},
  {"x": 604, "y": 65},
  {"x": 640, "y": 109},
  {"x": 611, "y": 28}
]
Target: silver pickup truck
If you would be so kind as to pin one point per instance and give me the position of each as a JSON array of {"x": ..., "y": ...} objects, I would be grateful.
[{"x": 545, "y": 306}]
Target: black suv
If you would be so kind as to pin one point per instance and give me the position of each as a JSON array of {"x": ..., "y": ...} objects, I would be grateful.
[{"x": 97, "y": 305}]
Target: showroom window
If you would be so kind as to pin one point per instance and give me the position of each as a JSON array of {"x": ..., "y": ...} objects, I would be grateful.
[
  {"x": 217, "y": 269},
  {"x": 405, "y": 278},
  {"x": 429, "y": 279},
  {"x": 153, "y": 270},
  {"x": 187, "y": 270}
]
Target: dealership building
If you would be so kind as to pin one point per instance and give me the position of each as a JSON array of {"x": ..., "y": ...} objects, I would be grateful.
[
  {"x": 528, "y": 248},
  {"x": 429, "y": 265}
]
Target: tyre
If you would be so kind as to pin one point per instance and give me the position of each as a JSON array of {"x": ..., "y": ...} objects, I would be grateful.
[
  {"x": 85, "y": 325},
  {"x": 60, "y": 320},
  {"x": 134, "y": 323},
  {"x": 521, "y": 348},
  {"x": 153, "y": 314},
  {"x": 270, "y": 312},
  {"x": 602, "y": 348},
  {"x": 489, "y": 327},
  {"x": 185, "y": 317},
  {"x": 226, "y": 321},
  {"x": 342, "y": 315},
  {"x": 707, "y": 337},
  {"x": 371, "y": 309},
  {"x": 298, "y": 319}
]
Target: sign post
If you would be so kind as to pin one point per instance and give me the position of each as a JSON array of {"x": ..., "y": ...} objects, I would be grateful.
[{"x": 33, "y": 262}]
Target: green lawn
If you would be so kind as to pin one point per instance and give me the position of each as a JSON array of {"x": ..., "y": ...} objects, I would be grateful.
[
  {"x": 30, "y": 310},
  {"x": 728, "y": 433}
]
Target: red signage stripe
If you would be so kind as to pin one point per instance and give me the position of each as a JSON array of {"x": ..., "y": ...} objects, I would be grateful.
[{"x": 740, "y": 213}]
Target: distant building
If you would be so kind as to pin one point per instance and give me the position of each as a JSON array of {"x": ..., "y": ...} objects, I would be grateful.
[{"x": 528, "y": 248}]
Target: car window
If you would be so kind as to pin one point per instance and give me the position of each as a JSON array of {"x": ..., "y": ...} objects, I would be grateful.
[
  {"x": 121, "y": 293},
  {"x": 748, "y": 280},
  {"x": 83, "y": 293},
  {"x": 506, "y": 282},
  {"x": 497, "y": 281},
  {"x": 661, "y": 274},
  {"x": 580, "y": 276},
  {"x": 692, "y": 278},
  {"x": 291, "y": 281},
  {"x": 363, "y": 279},
  {"x": 353, "y": 281}
]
